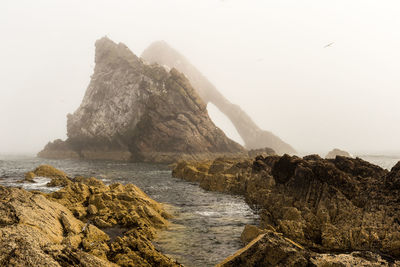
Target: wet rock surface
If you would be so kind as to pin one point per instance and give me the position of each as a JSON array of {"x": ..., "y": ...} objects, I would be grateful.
[
  {"x": 64, "y": 228},
  {"x": 138, "y": 112},
  {"x": 325, "y": 205}
]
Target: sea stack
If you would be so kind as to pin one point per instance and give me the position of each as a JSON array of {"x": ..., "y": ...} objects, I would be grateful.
[
  {"x": 253, "y": 136},
  {"x": 337, "y": 152},
  {"x": 132, "y": 111}
]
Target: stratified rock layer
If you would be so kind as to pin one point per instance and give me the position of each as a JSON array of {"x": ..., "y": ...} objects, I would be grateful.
[
  {"x": 133, "y": 111},
  {"x": 336, "y": 205},
  {"x": 254, "y": 137}
]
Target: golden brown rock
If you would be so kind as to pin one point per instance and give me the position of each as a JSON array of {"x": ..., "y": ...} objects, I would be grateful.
[
  {"x": 37, "y": 232},
  {"x": 38, "y": 229},
  {"x": 58, "y": 177},
  {"x": 122, "y": 209},
  {"x": 29, "y": 177}
]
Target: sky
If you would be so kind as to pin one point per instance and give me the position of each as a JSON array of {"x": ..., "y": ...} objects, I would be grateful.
[{"x": 268, "y": 56}]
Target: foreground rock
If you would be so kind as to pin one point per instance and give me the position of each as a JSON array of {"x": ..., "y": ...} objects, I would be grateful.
[
  {"x": 337, "y": 152},
  {"x": 136, "y": 112},
  {"x": 335, "y": 205},
  {"x": 272, "y": 249},
  {"x": 254, "y": 137},
  {"x": 86, "y": 223},
  {"x": 37, "y": 232}
]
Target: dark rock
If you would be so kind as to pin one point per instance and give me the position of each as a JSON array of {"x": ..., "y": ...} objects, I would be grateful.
[
  {"x": 335, "y": 205},
  {"x": 272, "y": 249}
]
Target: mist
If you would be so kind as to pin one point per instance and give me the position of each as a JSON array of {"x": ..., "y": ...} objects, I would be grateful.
[{"x": 269, "y": 57}]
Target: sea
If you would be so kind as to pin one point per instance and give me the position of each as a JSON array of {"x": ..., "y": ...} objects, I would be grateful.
[{"x": 206, "y": 226}]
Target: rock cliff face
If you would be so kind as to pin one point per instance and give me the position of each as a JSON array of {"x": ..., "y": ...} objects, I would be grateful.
[
  {"x": 254, "y": 137},
  {"x": 134, "y": 111},
  {"x": 326, "y": 205}
]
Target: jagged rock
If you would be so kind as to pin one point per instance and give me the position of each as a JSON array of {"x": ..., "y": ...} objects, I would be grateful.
[
  {"x": 115, "y": 205},
  {"x": 340, "y": 204},
  {"x": 120, "y": 208},
  {"x": 133, "y": 111},
  {"x": 272, "y": 249},
  {"x": 63, "y": 228},
  {"x": 37, "y": 232},
  {"x": 337, "y": 152},
  {"x": 254, "y": 137}
]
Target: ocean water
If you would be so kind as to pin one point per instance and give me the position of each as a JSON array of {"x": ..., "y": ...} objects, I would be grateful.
[
  {"x": 386, "y": 162},
  {"x": 206, "y": 226}
]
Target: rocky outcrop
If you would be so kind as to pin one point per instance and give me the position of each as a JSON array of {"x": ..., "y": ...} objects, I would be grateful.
[
  {"x": 254, "y": 137},
  {"x": 58, "y": 177},
  {"x": 86, "y": 223},
  {"x": 272, "y": 249},
  {"x": 138, "y": 112},
  {"x": 326, "y": 205},
  {"x": 125, "y": 212},
  {"x": 37, "y": 232},
  {"x": 337, "y": 152}
]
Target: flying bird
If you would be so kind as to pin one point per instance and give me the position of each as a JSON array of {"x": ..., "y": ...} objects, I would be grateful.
[{"x": 328, "y": 45}]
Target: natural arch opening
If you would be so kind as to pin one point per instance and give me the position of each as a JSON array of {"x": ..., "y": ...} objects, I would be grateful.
[{"x": 224, "y": 123}]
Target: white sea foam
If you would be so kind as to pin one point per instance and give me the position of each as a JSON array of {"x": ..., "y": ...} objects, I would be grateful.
[{"x": 39, "y": 184}]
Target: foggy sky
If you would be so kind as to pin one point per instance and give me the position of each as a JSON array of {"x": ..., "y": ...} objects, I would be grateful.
[{"x": 266, "y": 56}]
